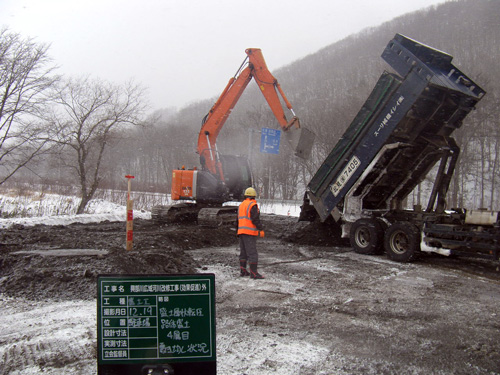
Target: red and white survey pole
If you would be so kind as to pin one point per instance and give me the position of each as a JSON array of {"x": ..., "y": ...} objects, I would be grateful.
[{"x": 130, "y": 216}]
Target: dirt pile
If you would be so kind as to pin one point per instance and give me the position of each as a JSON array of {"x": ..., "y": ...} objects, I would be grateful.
[
  {"x": 314, "y": 234},
  {"x": 34, "y": 275},
  {"x": 63, "y": 262}
]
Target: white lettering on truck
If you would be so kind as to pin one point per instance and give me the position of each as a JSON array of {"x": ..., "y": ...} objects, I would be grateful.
[{"x": 346, "y": 174}]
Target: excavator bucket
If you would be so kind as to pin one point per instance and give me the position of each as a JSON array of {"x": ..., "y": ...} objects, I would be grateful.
[{"x": 301, "y": 140}]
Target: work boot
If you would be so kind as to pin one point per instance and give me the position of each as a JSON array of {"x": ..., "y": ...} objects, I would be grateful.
[
  {"x": 253, "y": 272},
  {"x": 243, "y": 268}
]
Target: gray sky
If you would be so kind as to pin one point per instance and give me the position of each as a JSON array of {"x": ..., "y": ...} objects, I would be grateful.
[{"x": 186, "y": 50}]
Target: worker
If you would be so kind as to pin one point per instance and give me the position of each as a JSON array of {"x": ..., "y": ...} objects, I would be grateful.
[{"x": 249, "y": 228}]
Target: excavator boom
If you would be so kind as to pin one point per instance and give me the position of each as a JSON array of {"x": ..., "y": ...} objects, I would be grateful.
[
  {"x": 300, "y": 139},
  {"x": 225, "y": 177}
]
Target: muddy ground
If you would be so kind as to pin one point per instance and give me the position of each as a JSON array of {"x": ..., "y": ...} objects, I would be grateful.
[
  {"x": 322, "y": 309},
  {"x": 31, "y": 268}
]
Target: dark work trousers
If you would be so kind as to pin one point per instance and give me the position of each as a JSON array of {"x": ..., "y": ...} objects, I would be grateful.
[{"x": 248, "y": 248}]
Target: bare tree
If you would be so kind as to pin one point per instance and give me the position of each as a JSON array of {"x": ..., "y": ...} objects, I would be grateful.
[
  {"x": 88, "y": 117},
  {"x": 26, "y": 81}
]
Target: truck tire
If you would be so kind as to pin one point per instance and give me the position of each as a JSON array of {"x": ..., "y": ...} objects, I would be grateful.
[
  {"x": 367, "y": 236},
  {"x": 402, "y": 242}
]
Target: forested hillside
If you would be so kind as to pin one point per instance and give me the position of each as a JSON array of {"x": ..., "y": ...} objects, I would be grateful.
[{"x": 327, "y": 89}]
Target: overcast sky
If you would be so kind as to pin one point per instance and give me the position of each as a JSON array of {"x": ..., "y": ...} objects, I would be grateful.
[{"x": 183, "y": 51}]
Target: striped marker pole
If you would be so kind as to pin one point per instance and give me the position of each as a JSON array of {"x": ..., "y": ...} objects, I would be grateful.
[{"x": 130, "y": 216}]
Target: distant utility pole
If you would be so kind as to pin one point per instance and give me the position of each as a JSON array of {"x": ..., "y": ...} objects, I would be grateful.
[
  {"x": 130, "y": 216},
  {"x": 250, "y": 145}
]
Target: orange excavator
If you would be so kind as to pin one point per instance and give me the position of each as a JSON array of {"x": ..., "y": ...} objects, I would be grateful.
[{"x": 224, "y": 178}]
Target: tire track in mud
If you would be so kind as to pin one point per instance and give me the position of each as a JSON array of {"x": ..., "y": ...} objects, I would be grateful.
[
  {"x": 47, "y": 335},
  {"x": 346, "y": 313},
  {"x": 358, "y": 314}
]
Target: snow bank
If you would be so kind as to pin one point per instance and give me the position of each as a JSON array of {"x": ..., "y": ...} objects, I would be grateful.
[{"x": 53, "y": 209}]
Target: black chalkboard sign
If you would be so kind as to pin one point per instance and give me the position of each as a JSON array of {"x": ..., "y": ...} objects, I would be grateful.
[{"x": 145, "y": 320}]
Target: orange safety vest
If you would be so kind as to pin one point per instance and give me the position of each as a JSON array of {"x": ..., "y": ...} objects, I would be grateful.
[{"x": 245, "y": 225}]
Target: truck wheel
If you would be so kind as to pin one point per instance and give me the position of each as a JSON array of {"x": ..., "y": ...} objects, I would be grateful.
[
  {"x": 367, "y": 236},
  {"x": 402, "y": 242}
]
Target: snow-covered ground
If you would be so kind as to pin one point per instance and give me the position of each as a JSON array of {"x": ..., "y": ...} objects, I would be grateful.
[
  {"x": 53, "y": 209},
  {"x": 45, "y": 327},
  {"x": 319, "y": 311}
]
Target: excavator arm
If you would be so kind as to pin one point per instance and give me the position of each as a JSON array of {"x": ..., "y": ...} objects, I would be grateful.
[
  {"x": 225, "y": 177},
  {"x": 300, "y": 139}
]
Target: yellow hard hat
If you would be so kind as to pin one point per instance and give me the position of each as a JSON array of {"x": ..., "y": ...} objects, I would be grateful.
[{"x": 250, "y": 192}]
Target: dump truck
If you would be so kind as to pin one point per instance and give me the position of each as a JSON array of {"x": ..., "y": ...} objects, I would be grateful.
[{"x": 402, "y": 135}]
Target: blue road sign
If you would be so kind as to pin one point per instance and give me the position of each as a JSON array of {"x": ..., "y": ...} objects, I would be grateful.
[{"x": 270, "y": 141}]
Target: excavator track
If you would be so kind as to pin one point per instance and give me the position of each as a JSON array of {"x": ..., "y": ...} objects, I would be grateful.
[
  {"x": 217, "y": 217},
  {"x": 174, "y": 214},
  {"x": 192, "y": 213}
]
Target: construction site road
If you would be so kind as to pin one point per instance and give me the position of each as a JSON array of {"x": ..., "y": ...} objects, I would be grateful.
[{"x": 322, "y": 309}]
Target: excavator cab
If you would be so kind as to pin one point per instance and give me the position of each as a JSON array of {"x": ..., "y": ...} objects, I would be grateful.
[
  {"x": 237, "y": 174},
  {"x": 209, "y": 192},
  {"x": 206, "y": 188}
]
